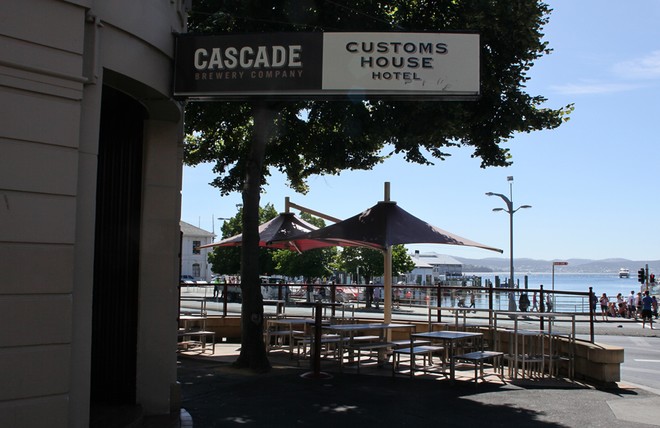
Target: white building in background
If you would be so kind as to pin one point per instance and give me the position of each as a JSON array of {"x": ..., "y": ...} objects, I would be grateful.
[
  {"x": 433, "y": 267},
  {"x": 194, "y": 261}
]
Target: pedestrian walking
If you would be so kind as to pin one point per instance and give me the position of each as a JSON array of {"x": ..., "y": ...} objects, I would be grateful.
[
  {"x": 216, "y": 288},
  {"x": 548, "y": 303},
  {"x": 647, "y": 310}
]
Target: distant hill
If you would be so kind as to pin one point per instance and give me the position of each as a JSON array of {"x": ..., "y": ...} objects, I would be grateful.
[{"x": 494, "y": 264}]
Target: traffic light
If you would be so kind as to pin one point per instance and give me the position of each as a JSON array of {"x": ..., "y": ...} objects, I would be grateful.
[
  {"x": 652, "y": 278},
  {"x": 641, "y": 277}
]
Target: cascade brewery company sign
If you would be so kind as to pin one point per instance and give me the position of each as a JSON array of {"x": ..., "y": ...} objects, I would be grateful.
[{"x": 327, "y": 65}]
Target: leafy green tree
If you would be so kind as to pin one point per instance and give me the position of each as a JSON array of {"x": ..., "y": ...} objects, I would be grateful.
[
  {"x": 401, "y": 261},
  {"x": 371, "y": 263},
  {"x": 309, "y": 264},
  {"x": 304, "y": 138}
]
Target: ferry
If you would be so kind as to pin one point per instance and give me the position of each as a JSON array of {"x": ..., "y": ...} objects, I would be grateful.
[{"x": 624, "y": 273}]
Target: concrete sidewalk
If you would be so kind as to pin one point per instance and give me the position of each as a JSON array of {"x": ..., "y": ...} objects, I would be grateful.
[{"x": 217, "y": 395}]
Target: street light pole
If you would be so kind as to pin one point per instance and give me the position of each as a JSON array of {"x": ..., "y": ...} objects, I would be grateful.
[
  {"x": 509, "y": 209},
  {"x": 223, "y": 222}
]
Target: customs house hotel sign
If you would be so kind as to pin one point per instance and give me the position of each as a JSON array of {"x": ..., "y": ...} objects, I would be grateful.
[{"x": 327, "y": 66}]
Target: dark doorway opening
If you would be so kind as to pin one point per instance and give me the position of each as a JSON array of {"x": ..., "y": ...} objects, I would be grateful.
[{"x": 116, "y": 252}]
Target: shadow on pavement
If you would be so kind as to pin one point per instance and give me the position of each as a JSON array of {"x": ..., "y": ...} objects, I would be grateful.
[{"x": 217, "y": 395}]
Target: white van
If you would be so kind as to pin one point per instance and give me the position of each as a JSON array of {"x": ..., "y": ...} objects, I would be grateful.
[{"x": 270, "y": 291}]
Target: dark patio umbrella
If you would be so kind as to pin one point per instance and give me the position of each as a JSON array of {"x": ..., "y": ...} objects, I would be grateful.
[
  {"x": 276, "y": 233},
  {"x": 383, "y": 225},
  {"x": 386, "y": 224}
]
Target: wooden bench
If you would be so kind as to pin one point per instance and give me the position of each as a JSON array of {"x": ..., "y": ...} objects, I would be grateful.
[
  {"x": 327, "y": 341},
  {"x": 367, "y": 346},
  {"x": 202, "y": 336},
  {"x": 426, "y": 351},
  {"x": 406, "y": 343},
  {"x": 280, "y": 336},
  {"x": 478, "y": 358}
]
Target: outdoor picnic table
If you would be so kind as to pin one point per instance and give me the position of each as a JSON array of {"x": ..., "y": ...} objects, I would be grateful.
[
  {"x": 289, "y": 327},
  {"x": 350, "y": 339},
  {"x": 450, "y": 340},
  {"x": 280, "y": 305},
  {"x": 316, "y": 350}
]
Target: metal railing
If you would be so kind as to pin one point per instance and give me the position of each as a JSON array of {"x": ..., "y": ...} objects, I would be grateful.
[{"x": 406, "y": 296}]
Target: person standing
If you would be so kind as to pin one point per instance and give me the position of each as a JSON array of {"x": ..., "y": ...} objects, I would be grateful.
[
  {"x": 632, "y": 311},
  {"x": 397, "y": 298},
  {"x": 523, "y": 302},
  {"x": 377, "y": 294},
  {"x": 216, "y": 288},
  {"x": 647, "y": 310},
  {"x": 604, "y": 305},
  {"x": 594, "y": 303}
]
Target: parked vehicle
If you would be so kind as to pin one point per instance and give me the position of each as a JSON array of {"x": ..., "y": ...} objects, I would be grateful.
[
  {"x": 187, "y": 279},
  {"x": 346, "y": 294},
  {"x": 270, "y": 290}
]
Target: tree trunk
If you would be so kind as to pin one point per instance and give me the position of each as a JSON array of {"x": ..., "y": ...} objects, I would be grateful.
[{"x": 253, "y": 352}]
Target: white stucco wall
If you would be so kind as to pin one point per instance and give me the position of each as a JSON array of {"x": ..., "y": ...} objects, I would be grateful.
[{"x": 55, "y": 55}]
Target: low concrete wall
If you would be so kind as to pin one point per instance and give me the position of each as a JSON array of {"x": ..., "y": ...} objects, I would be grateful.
[
  {"x": 227, "y": 328},
  {"x": 598, "y": 363}
]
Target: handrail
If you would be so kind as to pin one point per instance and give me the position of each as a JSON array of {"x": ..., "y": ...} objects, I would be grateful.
[{"x": 415, "y": 297}]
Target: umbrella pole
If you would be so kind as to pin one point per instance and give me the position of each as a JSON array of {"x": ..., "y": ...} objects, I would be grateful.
[
  {"x": 387, "y": 254},
  {"x": 387, "y": 278}
]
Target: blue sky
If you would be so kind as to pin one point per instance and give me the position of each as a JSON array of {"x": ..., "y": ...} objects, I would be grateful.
[{"x": 592, "y": 183}]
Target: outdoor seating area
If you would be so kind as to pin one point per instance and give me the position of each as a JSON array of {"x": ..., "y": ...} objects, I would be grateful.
[
  {"x": 535, "y": 352},
  {"x": 455, "y": 349},
  {"x": 535, "y": 346},
  {"x": 192, "y": 333}
]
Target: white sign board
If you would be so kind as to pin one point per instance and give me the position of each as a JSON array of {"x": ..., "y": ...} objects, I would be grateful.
[{"x": 390, "y": 63}]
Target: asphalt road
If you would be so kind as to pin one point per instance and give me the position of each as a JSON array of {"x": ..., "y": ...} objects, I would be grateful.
[{"x": 641, "y": 366}]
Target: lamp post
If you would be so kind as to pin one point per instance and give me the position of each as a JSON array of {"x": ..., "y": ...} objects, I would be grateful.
[
  {"x": 510, "y": 210},
  {"x": 223, "y": 219}
]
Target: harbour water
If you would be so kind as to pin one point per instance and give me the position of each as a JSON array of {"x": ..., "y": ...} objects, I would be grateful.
[{"x": 609, "y": 283}]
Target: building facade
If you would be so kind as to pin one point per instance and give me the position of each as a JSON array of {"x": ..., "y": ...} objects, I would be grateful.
[
  {"x": 433, "y": 267},
  {"x": 194, "y": 260},
  {"x": 90, "y": 180}
]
